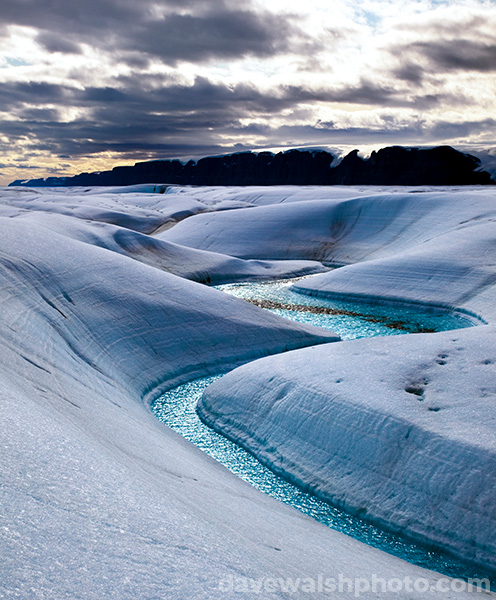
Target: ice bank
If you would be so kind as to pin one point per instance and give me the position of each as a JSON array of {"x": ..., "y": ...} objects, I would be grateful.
[
  {"x": 98, "y": 498},
  {"x": 400, "y": 431}
]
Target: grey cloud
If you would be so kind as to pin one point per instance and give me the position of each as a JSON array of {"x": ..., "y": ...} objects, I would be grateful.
[
  {"x": 409, "y": 134},
  {"x": 445, "y": 43},
  {"x": 210, "y": 29},
  {"x": 136, "y": 97},
  {"x": 454, "y": 27},
  {"x": 217, "y": 34},
  {"x": 450, "y": 55},
  {"x": 72, "y": 16},
  {"x": 39, "y": 114},
  {"x": 291, "y": 136},
  {"x": 57, "y": 43},
  {"x": 448, "y": 130},
  {"x": 411, "y": 72},
  {"x": 13, "y": 94},
  {"x": 460, "y": 42},
  {"x": 220, "y": 101},
  {"x": 104, "y": 95},
  {"x": 337, "y": 33},
  {"x": 223, "y": 102},
  {"x": 366, "y": 93},
  {"x": 142, "y": 119}
]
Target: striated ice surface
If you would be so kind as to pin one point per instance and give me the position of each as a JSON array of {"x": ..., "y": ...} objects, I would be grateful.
[
  {"x": 177, "y": 408},
  {"x": 398, "y": 430},
  {"x": 97, "y": 317}
]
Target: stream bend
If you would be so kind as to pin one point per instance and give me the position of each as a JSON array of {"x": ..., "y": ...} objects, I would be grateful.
[{"x": 177, "y": 409}]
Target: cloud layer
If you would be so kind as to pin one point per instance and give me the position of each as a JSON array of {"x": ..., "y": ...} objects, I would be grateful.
[{"x": 84, "y": 86}]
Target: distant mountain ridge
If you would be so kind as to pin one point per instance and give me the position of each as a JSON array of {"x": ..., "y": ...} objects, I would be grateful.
[{"x": 394, "y": 165}]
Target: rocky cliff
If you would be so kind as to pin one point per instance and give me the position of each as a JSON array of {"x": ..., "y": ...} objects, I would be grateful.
[{"x": 390, "y": 166}]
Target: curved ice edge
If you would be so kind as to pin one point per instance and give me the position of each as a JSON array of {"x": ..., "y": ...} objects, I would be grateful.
[
  {"x": 303, "y": 273},
  {"x": 197, "y": 371},
  {"x": 440, "y": 307},
  {"x": 227, "y": 427}
]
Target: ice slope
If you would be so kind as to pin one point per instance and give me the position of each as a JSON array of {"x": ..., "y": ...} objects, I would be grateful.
[
  {"x": 145, "y": 212},
  {"x": 119, "y": 222},
  {"x": 196, "y": 265},
  {"x": 79, "y": 292},
  {"x": 323, "y": 223},
  {"x": 430, "y": 247},
  {"x": 400, "y": 431},
  {"x": 455, "y": 270},
  {"x": 98, "y": 498},
  {"x": 391, "y": 429}
]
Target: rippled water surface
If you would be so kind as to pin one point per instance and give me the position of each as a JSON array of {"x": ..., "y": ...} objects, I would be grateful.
[
  {"x": 349, "y": 320},
  {"x": 176, "y": 408}
]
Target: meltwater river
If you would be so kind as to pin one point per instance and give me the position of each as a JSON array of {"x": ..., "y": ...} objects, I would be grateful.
[{"x": 176, "y": 408}]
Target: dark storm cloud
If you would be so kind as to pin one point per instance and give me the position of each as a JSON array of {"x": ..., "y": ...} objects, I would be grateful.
[
  {"x": 211, "y": 29},
  {"x": 411, "y": 72},
  {"x": 14, "y": 94},
  {"x": 71, "y": 17},
  {"x": 456, "y": 55},
  {"x": 151, "y": 120},
  {"x": 57, "y": 43},
  {"x": 217, "y": 34}
]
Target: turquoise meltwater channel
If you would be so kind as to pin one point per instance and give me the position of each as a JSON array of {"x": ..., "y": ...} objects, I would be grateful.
[{"x": 176, "y": 408}]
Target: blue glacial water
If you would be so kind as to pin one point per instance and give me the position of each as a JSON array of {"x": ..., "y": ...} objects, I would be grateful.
[
  {"x": 176, "y": 408},
  {"x": 349, "y": 320}
]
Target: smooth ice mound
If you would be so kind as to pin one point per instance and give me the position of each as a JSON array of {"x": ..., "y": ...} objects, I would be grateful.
[
  {"x": 399, "y": 433},
  {"x": 176, "y": 408},
  {"x": 435, "y": 247}
]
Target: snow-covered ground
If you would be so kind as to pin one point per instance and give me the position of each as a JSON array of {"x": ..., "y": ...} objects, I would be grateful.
[{"x": 99, "y": 499}]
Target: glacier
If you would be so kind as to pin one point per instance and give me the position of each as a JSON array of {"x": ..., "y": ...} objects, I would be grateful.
[
  {"x": 341, "y": 421},
  {"x": 101, "y": 310}
]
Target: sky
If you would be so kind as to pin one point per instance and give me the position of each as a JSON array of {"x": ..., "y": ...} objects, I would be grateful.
[{"x": 85, "y": 86}]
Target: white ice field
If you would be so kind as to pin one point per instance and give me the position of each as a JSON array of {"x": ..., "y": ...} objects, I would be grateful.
[{"x": 103, "y": 306}]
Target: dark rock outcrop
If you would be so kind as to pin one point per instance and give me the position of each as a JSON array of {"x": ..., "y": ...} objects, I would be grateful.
[
  {"x": 411, "y": 166},
  {"x": 390, "y": 166}
]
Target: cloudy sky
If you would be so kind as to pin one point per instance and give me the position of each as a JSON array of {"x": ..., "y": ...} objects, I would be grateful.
[{"x": 88, "y": 85}]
